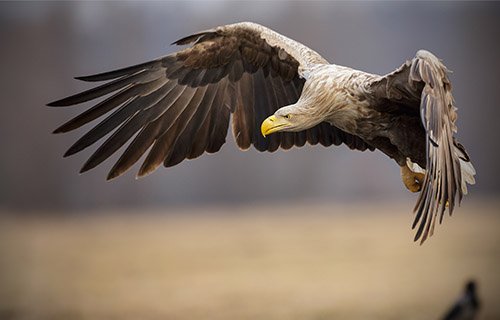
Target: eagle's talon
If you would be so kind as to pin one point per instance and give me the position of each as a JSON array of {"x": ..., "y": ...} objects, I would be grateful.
[{"x": 413, "y": 181}]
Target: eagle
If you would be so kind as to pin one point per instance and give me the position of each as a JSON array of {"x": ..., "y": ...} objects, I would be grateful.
[{"x": 279, "y": 94}]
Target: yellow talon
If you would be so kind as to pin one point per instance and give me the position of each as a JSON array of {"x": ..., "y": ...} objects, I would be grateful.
[{"x": 412, "y": 180}]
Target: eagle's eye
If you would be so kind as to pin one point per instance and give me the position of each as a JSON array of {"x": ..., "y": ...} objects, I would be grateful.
[{"x": 288, "y": 116}]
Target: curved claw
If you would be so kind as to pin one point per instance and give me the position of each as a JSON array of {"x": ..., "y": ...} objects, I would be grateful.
[{"x": 412, "y": 180}]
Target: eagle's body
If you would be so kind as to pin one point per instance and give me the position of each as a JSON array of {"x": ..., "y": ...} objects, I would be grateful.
[
  {"x": 352, "y": 107},
  {"x": 341, "y": 97},
  {"x": 179, "y": 106}
]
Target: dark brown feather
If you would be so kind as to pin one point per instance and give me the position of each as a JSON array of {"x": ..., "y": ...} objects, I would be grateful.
[
  {"x": 243, "y": 123},
  {"x": 139, "y": 77},
  {"x": 141, "y": 143},
  {"x": 186, "y": 140},
  {"x": 105, "y": 76},
  {"x": 220, "y": 120},
  {"x": 160, "y": 148},
  {"x": 180, "y": 126},
  {"x": 179, "y": 106}
]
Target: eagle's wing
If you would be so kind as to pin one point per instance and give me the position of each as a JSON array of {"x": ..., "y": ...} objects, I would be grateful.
[
  {"x": 179, "y": 106},
  {"x": 422, "y": 84}
]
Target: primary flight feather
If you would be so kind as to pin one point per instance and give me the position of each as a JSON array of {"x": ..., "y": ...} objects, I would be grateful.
[{"x": 280, "y": 94}]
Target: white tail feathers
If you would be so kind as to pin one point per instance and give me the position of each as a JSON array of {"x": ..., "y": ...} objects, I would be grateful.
[
  {"x": 466, "y": 168},
  {"x": 468, "y": 173}
]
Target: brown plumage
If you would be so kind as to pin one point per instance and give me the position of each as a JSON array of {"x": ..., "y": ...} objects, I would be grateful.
[{"x": 179, "y": 106}]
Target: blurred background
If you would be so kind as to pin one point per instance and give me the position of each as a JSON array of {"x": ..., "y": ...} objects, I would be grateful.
[{"x": 310, "y": 233}]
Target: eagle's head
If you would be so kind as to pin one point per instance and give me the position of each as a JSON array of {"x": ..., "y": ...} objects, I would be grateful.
[{"x": 289, "y": 119}]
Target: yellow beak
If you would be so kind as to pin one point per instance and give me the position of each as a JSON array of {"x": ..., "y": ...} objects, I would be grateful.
[{"x": 273, "y": 124}]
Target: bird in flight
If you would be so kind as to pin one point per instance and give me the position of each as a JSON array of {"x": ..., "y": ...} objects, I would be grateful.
[
  {"x": 280, "y": 94},
  {"x": 467, "y": 306}
]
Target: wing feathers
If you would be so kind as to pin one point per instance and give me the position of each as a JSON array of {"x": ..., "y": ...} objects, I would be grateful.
[
  {"x": 120, "y": 115},
  {"x": 99, "y": 109},
  {"x": 124, "y": 133},
  {"x": 204, "y": 35},
  {"x": 443, "y": 166},
  {"x": 199, "y": 146},
  {"x": 139, "y": 77},
  {"x": 186, "y": 140},
  {"x": 155, "y": 64},
  {"x": 178, "y": 106},
  {"x": 244, "y": 113},
  {"x": 141, "y": 143},
  {"x": 169, "y": 117},
  {"x": 109, "y": 104},
  {"x": 181, "y": 123},
  {"x": 423, "y": 84},
  {"x": 220, "y": 120}
]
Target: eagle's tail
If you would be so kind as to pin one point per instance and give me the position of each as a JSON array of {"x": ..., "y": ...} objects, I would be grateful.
[{"x": 466, "y": 168}]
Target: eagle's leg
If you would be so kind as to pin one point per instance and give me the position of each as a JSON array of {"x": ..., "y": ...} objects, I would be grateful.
[{"x": 413, "y": 180}]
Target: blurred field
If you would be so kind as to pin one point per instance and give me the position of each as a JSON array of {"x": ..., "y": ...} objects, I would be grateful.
[{"x": 301, "y": 261}]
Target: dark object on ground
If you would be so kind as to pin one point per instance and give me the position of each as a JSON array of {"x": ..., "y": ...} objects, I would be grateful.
[{"x": 467, "y": 305}]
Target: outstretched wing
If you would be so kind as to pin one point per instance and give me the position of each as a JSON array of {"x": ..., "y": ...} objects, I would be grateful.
[
  {"x": 178, "y": 106},
  {"x": 422, "y": 84}
]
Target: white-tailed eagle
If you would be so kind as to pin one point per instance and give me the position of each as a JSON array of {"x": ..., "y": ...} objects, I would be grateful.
[{"x": 280, "y": 94}]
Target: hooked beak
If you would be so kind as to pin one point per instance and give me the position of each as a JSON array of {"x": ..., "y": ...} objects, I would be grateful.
[{"x": 273, "y": 124}]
